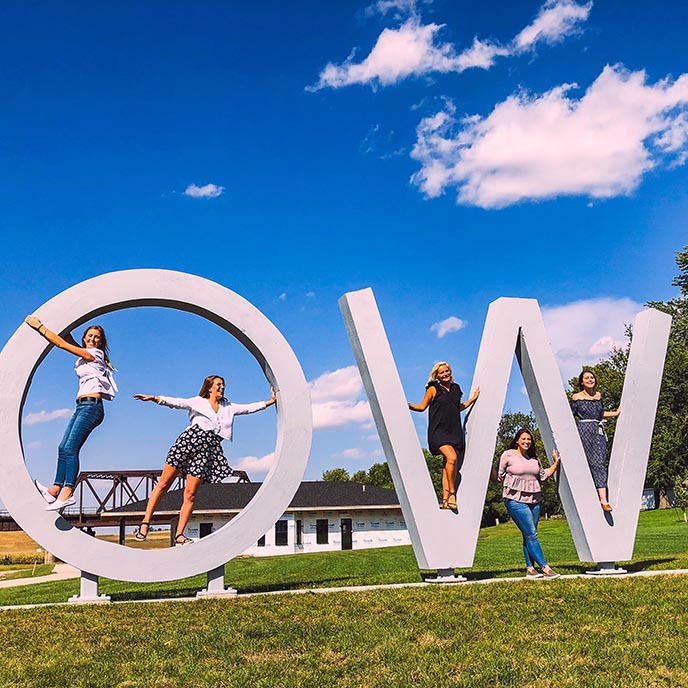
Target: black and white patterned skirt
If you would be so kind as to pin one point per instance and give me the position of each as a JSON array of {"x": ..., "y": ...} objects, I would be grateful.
[{"x": 198, "y": 453}]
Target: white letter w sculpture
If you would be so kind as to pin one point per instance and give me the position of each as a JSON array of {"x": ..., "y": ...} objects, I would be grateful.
[{"x": 443, "y": 540}]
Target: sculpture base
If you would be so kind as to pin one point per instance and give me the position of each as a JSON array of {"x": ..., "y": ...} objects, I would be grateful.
[
  {"x": 226, "y": 592},
  {"x": 82, "y": 599},
  {"x": 88, "y": 591},
  {"x": 446, "y": 576},
  {"x": 606, "y": 568},
  {"x": 216, "y": 585}
]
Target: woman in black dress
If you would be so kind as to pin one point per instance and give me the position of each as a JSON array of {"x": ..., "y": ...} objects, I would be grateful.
[
  {"x": 587, "y": 406},
  {"x": 445, "y": 430}
]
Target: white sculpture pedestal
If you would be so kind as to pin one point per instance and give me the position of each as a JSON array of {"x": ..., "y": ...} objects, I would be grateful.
[
  {"x": 88, "y": 592},
  {"x": 606, "y": 568},
  {"x": 216, "y": 585},
  {"x": 446, "y": 576}
]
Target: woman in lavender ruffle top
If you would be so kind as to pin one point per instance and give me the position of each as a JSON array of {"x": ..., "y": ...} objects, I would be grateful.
[{"x": 522, "y": 474}]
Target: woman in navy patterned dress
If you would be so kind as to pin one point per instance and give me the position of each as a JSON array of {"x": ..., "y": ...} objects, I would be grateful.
[
  {"x": 587, "y": 406},
  {"x": 445, "y": 430}
]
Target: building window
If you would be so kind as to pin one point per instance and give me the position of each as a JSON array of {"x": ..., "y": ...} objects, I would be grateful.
[
  {"x": 281, "y": 538},
  {"x": 261, "y": 541},
  {"x": 299, "y": 530},
  {"x": 322, "y": 531}
]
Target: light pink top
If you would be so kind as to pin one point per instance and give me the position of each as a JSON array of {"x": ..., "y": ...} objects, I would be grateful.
[{"x": 521, "y": 477}]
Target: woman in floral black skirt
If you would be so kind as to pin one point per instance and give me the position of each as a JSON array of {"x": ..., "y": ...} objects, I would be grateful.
[{"x": 197, "y": 452}]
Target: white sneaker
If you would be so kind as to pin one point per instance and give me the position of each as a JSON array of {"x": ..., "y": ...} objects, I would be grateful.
[
  {"x": 44, "y": 491},
  {"x": 60, "y": 504}
]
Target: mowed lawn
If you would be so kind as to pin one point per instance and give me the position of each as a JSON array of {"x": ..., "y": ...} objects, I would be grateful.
[{"x": 577, "y": 632}]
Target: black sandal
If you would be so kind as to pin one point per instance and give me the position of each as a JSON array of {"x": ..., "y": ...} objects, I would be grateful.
[
  {"x": 142, "y": 536},
  {"x": 181, "y": 539}
]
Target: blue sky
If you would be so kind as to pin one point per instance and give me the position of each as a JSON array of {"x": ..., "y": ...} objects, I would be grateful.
[{"x": 442, "y": 153}]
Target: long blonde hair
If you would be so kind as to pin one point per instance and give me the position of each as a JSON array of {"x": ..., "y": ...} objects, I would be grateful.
[{"x": 433, "y": 372}]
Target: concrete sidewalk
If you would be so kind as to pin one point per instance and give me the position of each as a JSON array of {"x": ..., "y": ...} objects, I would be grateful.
[{"x": 60, "y": 572}]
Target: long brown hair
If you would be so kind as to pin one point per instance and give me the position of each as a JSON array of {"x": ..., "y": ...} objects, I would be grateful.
[
  {"x": 208, "y": 383},
  {"x": 103, "y": 342},
  {"x": 532, "y": 452}
]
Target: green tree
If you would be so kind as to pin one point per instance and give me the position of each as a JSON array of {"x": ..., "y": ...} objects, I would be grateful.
[
  {"x": 681, "y": 495},
  {"x": 379, "y": 475},
  {"x": 669, "y": 452},
  {"x": 360, "y": 477},
  {"x": 335, "y": 474}
]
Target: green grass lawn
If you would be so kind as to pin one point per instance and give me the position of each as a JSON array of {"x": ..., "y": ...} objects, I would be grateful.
[
  {"x": 581, "y": 632},
  {"x": 661, "y": 543},
  {"x": 15, "y": 571}
]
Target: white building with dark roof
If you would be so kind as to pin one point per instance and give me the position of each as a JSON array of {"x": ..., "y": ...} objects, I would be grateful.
[{"x": 322, "y": 516}]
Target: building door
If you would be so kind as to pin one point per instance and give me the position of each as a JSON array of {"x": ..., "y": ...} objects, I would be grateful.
[
  {"x": 346, "y": 529},
  {"x": 205, "y": 529}
]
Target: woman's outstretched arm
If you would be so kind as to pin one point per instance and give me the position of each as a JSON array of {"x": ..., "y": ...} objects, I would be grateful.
[
  {"x": 429, "y": 396},
  {"x": 147, "y": 397},
  {"x": 472, "y": 400},
  {"x": 68, "y": 344}
]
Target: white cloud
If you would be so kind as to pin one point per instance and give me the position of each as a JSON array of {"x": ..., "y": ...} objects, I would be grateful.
[
  {"x": 310, "y": 294},
  {"x": 413, "y": 50},
  {"x": 282, "y": 296},
  {"x": 555, "y": 20},
  {"x": 532, "y": 147},
  {"x": 398, "y": 8},
  {"x": 397, "y": 54},
  {"x": 584, "y": 332},
  {"x": 336, "y": 399},
  {"x": 207, "y": 191},
  {"x": 450, "y": 324},
  {"x": 46, "y": 416},
  {"x": 34, "y": 445},
  {"x": 254, "y": 465},
  {"x": 353, "y": 453}
]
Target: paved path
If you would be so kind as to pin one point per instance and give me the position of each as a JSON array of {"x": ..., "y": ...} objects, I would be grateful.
[
  {"x": 65, "y": 571},
  {"x": 60, "y": 572}
]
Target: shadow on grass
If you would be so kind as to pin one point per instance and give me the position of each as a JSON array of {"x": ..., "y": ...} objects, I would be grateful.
[{"x": 648, "y": 564}]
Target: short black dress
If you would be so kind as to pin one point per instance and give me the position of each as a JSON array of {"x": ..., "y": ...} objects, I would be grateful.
[
  {"x": 444, "y": 419},
  {"x": 198, "y": 453},
  {"x": 590, "y": 413}
]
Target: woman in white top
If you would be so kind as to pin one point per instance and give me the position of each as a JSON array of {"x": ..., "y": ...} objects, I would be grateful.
[
  {"x": 197, "y": 452},
  {"x": 96, "y": 383}
]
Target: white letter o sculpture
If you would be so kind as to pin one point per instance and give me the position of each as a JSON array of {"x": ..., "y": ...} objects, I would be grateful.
[{"x": 163, "y": 288}]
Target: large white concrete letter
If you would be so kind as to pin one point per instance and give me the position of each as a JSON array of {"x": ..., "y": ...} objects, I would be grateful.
[
  {"x": 167, "y": 289},
  {"x": 443, "y": 540}
]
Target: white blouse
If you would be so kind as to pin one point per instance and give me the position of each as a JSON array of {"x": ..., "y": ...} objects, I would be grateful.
[
  {"x": 94, "y": 376},
  {"x": 201, "y": 413}
]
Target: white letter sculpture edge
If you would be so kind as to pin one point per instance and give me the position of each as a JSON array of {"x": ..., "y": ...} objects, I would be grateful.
[
  {"x": 443, "y": 540},
  {"x": 163, "y": 288}
]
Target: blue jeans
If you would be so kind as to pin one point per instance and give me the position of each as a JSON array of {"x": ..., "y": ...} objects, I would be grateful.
[
  {"x": 87, "y": 416},
  {"x": 526, "y": 517}
]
